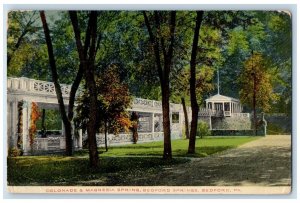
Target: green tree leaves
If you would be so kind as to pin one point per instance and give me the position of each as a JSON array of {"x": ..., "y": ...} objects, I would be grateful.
[{"x": 256, "y": 83}]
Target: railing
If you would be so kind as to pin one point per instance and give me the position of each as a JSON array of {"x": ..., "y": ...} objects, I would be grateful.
[
  {"x": 241, "y": 115},
  {"x": 210, "y": 112},
  {"x": 227, "y": 113},
  {"x": 152, "y": 104},
  {"x": 50, "y": 143},
  {"x": 218, "y": 113},
  {"x": 36, "y": 86},
  {"x": 24, "y": 84}
]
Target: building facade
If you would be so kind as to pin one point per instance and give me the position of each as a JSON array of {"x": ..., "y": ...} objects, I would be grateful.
[{"x": 22, "y": 93}]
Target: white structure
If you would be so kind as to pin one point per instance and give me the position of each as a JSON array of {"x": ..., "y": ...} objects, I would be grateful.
[
  {"x": 228, "y": 105},
  {"x": 26, "y": 91}
]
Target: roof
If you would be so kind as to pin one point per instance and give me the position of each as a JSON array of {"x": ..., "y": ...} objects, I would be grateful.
[{"x": 219, "y": 97}]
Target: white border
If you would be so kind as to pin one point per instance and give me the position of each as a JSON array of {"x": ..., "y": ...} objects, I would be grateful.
[{"x": 148, "y": 4}]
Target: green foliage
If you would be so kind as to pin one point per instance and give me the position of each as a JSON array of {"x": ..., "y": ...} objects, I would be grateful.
[
  {"x": 226, "y": 41},
  {"x": 204, "y": 83},
  {"x": 52, "y": 120},
  {"x": 238, "y": 41},
  {"x": 268, "y": 33},
  {"x": 22, "y": 30},
  {"x": 203, "y": 129},
  {"x": 256, "y": 72}
]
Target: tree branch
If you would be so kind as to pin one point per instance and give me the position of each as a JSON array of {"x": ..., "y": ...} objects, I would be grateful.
[
  {"x": 155, "y": 46},
  {"x": 53, "y": 67}
]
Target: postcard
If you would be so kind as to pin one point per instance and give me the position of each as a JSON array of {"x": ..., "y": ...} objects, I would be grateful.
[{"x": 149, "y": 101}]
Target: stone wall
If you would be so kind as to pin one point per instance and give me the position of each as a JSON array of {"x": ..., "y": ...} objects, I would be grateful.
[
  {"x": 126, "y": 138},
  {"x": 278, "y": 123},
  {"x": 231, "y": 123}
]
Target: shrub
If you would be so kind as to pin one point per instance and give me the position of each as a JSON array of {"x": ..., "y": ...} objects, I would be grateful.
[
  {"x": 14, "y": 152},
  {"x": 203, "y": 129},
  {"x": 273, "y": 129}
]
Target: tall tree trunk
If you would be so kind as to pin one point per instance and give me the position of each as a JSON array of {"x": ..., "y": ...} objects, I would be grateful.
[
  {"x": 254, "y": 98},
  {"x": 163, "y": 72},
  {"x": 105, "y": 134},
  {"x": 254, "y": 105},
  {"x": 87, "y": 64},
  {"x": 73, "y": 91},
  {"x": 166, "y": 122},
  {"x": 66, "y": 122},
  {"x": 186, "y": 118},
  {"x": 194, "y": 104},
  {"x": 91, "y": 125}
]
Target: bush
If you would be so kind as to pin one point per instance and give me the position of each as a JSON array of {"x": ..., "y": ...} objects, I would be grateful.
[
  {"x": 203, "y": 129},
  {"x": 273, "y": 129},
  {"x": 14, "y": 152}
]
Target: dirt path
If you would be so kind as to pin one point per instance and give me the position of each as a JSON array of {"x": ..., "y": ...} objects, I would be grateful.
[{"x": 263, "y": 162}]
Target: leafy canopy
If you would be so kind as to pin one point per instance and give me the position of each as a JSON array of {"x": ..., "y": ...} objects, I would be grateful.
[{"x": 256, "y": 70}]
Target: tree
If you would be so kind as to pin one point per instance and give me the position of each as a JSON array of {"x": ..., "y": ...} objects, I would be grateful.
[
  {"x": 66, "y": 121},
  {"x": 164, "y": 36},
  {"x": 194, "y": 104},
  {"x": 113, "y": 99},
  {"x": 87, "y": 54},
  {"x": 278, "y": 49},
  {"x": 256, "y": 86}
]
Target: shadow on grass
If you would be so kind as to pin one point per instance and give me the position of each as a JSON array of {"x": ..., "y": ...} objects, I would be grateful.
[
  {"x": 76, "y": 171},
  {"x": 200, "y": 152},
  {"x": 139, "y": 146}
]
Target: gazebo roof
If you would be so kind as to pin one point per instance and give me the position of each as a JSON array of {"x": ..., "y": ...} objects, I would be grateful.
[{"x": 221, "y": 98}]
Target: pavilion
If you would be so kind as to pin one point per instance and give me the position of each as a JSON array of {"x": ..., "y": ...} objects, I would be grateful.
[{"x": 228, "y": 105}]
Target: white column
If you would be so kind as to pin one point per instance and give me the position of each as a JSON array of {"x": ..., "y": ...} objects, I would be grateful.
[
  {"x": 80, "y": 139},
  {"x": 74, "y": 140},
  {"x": 14, "y": 123},
  {"x": 9, "y": 124},
  {"x": 181, "y": 123},
  {"x": 26, "y": 125},
  {"x": 62, "y": 129},
  {"x": 152, "y": 121},
  {"x": 153, "y": 125}
]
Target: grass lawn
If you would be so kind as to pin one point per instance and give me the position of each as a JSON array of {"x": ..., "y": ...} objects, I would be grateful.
[
  {"x": 121, "y": 165},
  {"x": 204, "y": 147}
]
